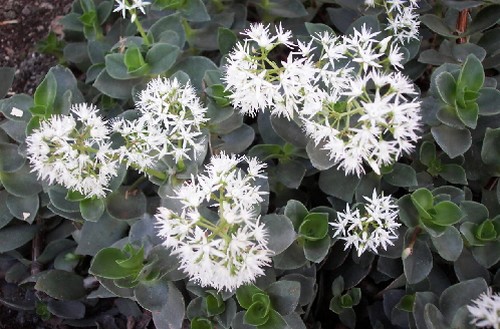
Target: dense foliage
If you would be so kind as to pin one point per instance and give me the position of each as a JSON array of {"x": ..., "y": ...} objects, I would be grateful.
[{"x": 258, "y": 164}]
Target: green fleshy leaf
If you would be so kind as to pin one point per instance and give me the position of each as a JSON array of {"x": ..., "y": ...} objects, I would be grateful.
[
  {"x": 454, "y": 174},
  {"x": 472, "y": 74},
  {"x": 437, "y": 25},
  {"x": 214, "y": 303},
  {"x": 69, "y": 309},
  {"x": 418, "y": 264},
  {"x": 95, "y": 236},
  {"x": 486, "y": 231},
  {"x": 13, "y": 237},
  {"x": 274, "y": 321},
  {"x": 61, "y": 285},
  {"x": 434, "y": 318},
  {"x": 201, "y": 323},
  {"x": 488, "y": 101},
  {"x": 453, "y": 141},
  {"x": 21, "y": 182},
  {"x": 226, "y": 39},
  {"x": 460, "y": 294},
  {"x": 427, "y": 153},
  {"x": 161, "y": 57},
  {"x": 194, "y": 11},
  {"x": 281, "y": 229},
  {"x": 290, "y": 173},
  {"x": 244, "y": 295},
  {"x": 92, "y": 209},
  {"x": 105, "y": 264},
  {"x": 490, "y": 152},
  {"x": 446, "y": 87},
  {"x": 124, "y": 204},
  {"x": 423, "y": 200},
  {"x": 135, "y": 258},
  {"x": 45, "y": 94},
  {"x": 265, "y": 151},
  {"x": 258, "y": 313},
  {"x": 6, "y": 79},
  {"x": 469, "y": 114},
  {"x": 449, "y": 245},
  {"x": 296, "y": 212},
  {"x": 485, "y": 18},
  {"x": 446, "y": 213},
  {"x": 23, "y": 208},
  {"x": 401, "y": 175},
  {"x": 314, "y": 227},
  {"x": 316, "y": 251},
  {"x": 284, "y": 296},
  {"x": 284, "y": 8},
  {"x": 334, "y": 182}
]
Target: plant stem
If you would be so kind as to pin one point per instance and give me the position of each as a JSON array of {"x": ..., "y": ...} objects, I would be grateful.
[
  {"x": 137, "y": 182},
  {"x": 462, "y": 24},
  {"x": 409, "y": 249},
  {"x": 141, "y": 30},
  {"x": 36, "y": 247}
]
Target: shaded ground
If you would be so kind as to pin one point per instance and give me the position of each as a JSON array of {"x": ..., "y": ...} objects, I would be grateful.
[{"x": 22, "y": 24}]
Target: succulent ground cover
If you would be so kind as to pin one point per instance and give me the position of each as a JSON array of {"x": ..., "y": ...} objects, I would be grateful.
[{"x": 274, "y": 164}]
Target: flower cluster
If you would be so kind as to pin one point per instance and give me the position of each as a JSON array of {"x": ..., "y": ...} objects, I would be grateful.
[
  {"x": 258, "y": 83},
  {"x": 351, "y": 100},
  {"x": 131, "y": 6},
  {"x": 369, "y": 226},
  {"x": 402, "y": 18},
  {"x": 74, "y": 151},
  {"x": 367, "y": 113},
  {"x": 485, "y": 310},
  {"x": 217, "y": 234},
  {"x": 169, "y": 124}
]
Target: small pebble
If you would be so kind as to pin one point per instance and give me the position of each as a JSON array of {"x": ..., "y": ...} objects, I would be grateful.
[
  {"x": 10, "y": 14},
  {"x": 26, "y": 11}
]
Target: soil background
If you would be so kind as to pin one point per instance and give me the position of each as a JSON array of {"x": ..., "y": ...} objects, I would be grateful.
[{"x": 23, "y": 23}]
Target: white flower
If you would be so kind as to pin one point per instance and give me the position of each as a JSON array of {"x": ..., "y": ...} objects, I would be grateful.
[
  {"x": 131, "y": 5},
  {"x": 485, "y": 310},
  {"x": 170, "y": 121},
  {"x": 74, "y": 151},
  {"x": 257, "y": 83},
  {"x": 370, "y": 226},
  {"x": 373, "y": 120},
  {"x": 402, "y": 19},
  {"x": 228, "y": 248}
]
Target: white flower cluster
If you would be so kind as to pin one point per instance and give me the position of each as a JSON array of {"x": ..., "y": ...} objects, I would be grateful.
[
  {"x": 170, "y": 120},
  {"x": 74, "y": 151},
  {"x": 230, "y": 249},
  {"x": 402, "y": 18},
  {"x": 370, "y": 226},
  {"x": 351, "y": 101},
  {"x": 485, "y": 310},
  {"x": 257, "y": 83},
  {"x": 131, "y": 6},
  {"x": 366, "y": 114}
]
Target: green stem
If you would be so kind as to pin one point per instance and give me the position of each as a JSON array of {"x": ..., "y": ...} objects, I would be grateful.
[
  {"x": 137, "y": 182},
  {"x": 156, "y": 173},
  {"x": 140, "y": 28}
]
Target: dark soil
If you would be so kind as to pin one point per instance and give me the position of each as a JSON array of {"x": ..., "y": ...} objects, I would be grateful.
[{"x": 23, "y": 23}]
